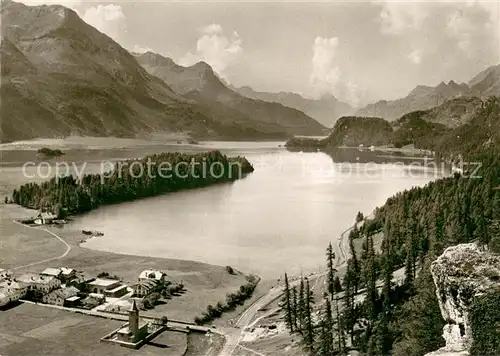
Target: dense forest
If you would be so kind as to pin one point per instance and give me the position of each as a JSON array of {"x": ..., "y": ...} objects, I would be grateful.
[
  {"x": 130, "y": 180},
  {"x": 415, "y": 226}
]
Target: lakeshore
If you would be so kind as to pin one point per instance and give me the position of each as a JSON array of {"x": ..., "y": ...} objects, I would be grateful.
[{"x": 291, "y": 183}]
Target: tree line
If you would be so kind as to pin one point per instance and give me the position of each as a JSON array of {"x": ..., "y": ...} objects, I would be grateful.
[
  {"x": 67, "y": 195},
  {"x": 232, "y": 301}
]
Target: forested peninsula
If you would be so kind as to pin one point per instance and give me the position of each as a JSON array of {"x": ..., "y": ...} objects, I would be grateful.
[{"x": 130, "y": 180}]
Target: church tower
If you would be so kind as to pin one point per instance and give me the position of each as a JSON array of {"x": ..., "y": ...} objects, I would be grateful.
[{"x": 133, "y": 320}]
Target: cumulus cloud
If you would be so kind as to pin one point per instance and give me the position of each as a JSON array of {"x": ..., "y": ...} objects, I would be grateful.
[
  {"x": 325, "y": 74},
  {"x": 67, "y": 3},
  {"x": 140, "y": 49},
  {"x": 415, "y": 57},
  {"x": 215, "y": 48},
  {"x": 108, "y": 19},
  {"x": 397, "y": 17},
  {"x": 471, "y": 26}
]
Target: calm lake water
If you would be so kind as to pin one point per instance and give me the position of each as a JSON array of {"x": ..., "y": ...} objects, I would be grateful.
[{"x": 281, "y": 217}]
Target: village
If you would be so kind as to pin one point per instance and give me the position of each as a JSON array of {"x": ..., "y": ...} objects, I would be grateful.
[{"x": 68, "y": 289}]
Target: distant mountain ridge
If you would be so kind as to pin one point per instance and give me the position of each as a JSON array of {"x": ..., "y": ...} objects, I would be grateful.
[
  {"x": 61, "y": 76},
  {"x": 200, "y": 84},
  {"x": 326, "y": 110},
  {"x": 486, "y": 83},
  {"x": 441, "y": 128}
]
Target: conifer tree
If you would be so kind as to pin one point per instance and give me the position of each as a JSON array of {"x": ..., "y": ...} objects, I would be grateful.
[
  {"x": 340, "y": 328},
  {"x": 308, "y": 323},
  {"x": 301, "y": 307},
  {"x": 326, "y": 335},
  {"x": 349, "y": 307},
  {"x": 371, "y": 280},
  {"x": 295, "y": 309},
  {"x": 330, "y": 278},
  {"x": 286, "y": 306},
  {"x": 482, "y": 225},
  {"x": 356, "y": 272}
]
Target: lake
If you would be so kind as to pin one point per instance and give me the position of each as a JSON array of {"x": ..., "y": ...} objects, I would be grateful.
[{"x": 279, "y": 218}]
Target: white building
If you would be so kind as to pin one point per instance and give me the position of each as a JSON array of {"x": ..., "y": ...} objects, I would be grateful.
[
  {"x": 44, "y": 218},
  {"x": 4, "y": 274},
  {"x": 11, "y": 291},
  {"x": 101, "y": 285},
  {"x": 67, "y": 273},
  {"x": 54, "y": 272},
  {"x": 41, "y": 283}
]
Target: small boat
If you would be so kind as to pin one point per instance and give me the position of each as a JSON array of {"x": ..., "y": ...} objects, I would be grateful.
[{"x": 86, "y": 232}]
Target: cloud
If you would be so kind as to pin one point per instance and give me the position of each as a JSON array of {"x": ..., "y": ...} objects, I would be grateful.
[
  {"x": 68, "y": 3},
  {"x": 140, "y": 49},
  {"x": 471, "y": 26},
  {"x": 215, "y": 48},
  {"x": 325, "y": 74},
  {"x": 397, "y": 17},
  {"x": 415, "y": 56},
  {"x": 108, "y": 19},
  {"x": 327, "y": 77}
]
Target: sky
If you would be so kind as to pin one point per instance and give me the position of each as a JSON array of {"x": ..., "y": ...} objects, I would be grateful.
[{"x": 359, "y": 52}]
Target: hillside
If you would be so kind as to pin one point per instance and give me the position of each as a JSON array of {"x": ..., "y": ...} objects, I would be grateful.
[
  {"x": 354, "y": 131},
  {"x": 200, "y": 84},
  {"x": 415, "y": 128},
  {"x": 454, "y": 125},
  {"x": 485, "y": 84},
  {"x": 326, "y": 110}
]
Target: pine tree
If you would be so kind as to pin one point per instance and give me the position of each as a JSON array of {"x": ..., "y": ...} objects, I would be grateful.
[
  {"x": 355, "y": 263},
  {"x": 410, "y": 253},
  {"x": 309, "y": 327},
  {"x": 286, "y": 305},
  {"x": 337, "y": 285},
  {"x": 482, "y": 225},
  {"x": 330, "y": 279},
  {"x": 371, "y": 280},
  {"x": 437, "y": 246},
  {"x": 301, "y": 307},
  {"x": 340, "y": 328},
  {"x": 350, "y": 317},
  {"x": 326, "y": 335},
  {"x": 295, "y": 309}
]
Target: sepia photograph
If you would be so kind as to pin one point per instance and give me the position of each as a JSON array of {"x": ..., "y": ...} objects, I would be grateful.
[{"x": 250, "y": 178}]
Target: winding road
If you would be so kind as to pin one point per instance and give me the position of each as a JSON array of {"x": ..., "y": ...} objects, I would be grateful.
[
  {"x": 235, "y": 335},
  {"x": 68, "y": 247}
]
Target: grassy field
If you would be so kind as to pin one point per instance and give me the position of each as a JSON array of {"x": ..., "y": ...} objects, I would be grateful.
[
  {"x": 205, "y": 284},
  {"x": 36, "y": 330}
]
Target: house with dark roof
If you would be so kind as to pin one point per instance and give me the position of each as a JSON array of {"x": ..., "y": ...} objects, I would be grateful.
[
  {"x": 144, "y": 287},
  {"x": 60, "y": 295}
]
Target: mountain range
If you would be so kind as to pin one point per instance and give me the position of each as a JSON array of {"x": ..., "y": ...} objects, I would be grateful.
[
  {"x": 486, "y": 83},
  {"x": 200, "y": 84},
  {"x": 326, "y": 109},
  {"x": 61, "y": 76}
]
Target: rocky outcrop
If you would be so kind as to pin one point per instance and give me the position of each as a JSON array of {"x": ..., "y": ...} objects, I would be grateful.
[{"x": 462, "y": 273}]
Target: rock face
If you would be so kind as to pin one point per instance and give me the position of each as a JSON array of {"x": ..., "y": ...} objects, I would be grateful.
[{"x": 461, "y": 273}]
